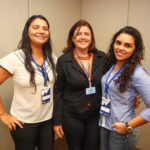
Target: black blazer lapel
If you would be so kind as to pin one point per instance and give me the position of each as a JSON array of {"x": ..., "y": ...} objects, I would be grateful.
[
  {"x": 70, "y": 58},
  {"x": 96, "y": 58}
]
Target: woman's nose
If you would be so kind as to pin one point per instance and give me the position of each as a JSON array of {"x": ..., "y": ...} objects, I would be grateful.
[
  {"x": 41, "y": 30},
  {"x": 121, "y": 47},
  {"x": 83, "y": 36}
]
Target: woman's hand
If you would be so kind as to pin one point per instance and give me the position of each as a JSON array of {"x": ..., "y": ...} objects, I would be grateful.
[
  {"x": 11, "y": 121},
  {"x": 59, "y": 131},
  {"x": 120, "y": 127},
  {"x": 137, "y": 101}
]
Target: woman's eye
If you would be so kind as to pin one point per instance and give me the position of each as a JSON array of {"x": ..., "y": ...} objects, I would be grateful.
[
  {"x": 45, "y": 29},
  {"x": 35, "y": 27},
  {"x": 87, "y": 33},
  {"x": 77, "y": 34},
  {"x": 127, "y": 45},
  {"x": 118, "y": 42}
]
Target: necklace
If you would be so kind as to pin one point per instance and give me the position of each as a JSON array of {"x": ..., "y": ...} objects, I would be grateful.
[{"x": 84, "y": 58}]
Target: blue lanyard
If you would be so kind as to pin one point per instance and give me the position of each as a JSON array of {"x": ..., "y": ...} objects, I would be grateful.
[
  {"x": 45, "y": 73},
  {"x": 87, "y": 71},
  {"x": 107, "y": 83}
]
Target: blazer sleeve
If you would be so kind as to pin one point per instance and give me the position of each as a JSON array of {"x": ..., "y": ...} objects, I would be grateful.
[{"x": 58, "y": 93}]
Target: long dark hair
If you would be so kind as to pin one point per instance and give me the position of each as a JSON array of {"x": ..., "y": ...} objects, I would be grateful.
[
  {"x": 132, "y": 62},
  {"x": 24, "y": 44},
  {"x": 70, "y": 44}
]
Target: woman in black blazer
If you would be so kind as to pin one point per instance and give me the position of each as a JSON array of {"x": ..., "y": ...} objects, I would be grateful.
[{"x": 77, "y": 95}]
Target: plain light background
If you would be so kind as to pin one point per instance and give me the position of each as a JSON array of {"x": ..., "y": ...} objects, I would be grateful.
[{"x": 105, "y": 16}]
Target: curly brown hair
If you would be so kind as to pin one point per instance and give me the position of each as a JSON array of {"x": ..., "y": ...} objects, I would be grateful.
[{"x": 133, "y": 60}]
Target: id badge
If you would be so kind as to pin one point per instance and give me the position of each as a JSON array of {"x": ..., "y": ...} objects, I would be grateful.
[
  {"x": 105, "y": 106},
  {"x": 90, "y": 90},
  {"x": 45, "y": 95}
]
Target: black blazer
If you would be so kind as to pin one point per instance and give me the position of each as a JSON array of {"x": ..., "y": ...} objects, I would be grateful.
[{"x": 69, "y": 92}]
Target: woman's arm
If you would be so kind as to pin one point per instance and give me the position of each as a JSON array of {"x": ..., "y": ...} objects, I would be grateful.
[
  {"x": 7, "y": 119},
  {"x": 141, "y": 82},
  {"x": 133, "y": 123},
  {"x": 58, "y": 98}
]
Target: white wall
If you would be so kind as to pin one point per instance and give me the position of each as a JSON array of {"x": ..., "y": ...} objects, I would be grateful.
[
  {"x": 61, "y": 14},
  {"x": 13, "y": 14}
]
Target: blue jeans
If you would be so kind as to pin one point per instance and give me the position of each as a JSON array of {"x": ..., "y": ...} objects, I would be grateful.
[{"x": 112, "y": 140}]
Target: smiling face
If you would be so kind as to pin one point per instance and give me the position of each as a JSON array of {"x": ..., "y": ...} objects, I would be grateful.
[
  {"x": 38, "y": 32},
  {"x": 82, "y": 38},
  {"x": 124, "y": 47}
]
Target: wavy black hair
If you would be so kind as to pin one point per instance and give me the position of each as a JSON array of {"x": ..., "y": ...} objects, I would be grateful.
[
  {"x": 131, "y": 63},
  {"x": 24, "y": 44}
]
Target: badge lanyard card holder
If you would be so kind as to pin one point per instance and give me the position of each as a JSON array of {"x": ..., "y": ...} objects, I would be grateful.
[
  {"x": 45, "y": 91},
  {"x": 90, "y": 90},
  {"x": 105, "y": 105}
]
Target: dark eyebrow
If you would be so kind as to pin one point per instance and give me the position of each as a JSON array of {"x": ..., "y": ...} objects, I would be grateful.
[
  {"x": 117, "y": 41},
  {"x": 35, "y": 25},
  {"x": 125, "y": 42},
  {"x": 129, "y": 43}
]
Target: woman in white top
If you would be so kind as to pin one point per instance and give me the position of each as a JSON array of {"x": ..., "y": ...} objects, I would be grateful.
[{"x": 32, "y": 69}]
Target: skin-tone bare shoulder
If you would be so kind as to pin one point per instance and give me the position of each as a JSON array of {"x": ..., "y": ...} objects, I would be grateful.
[{"x": 4, "y": 75}]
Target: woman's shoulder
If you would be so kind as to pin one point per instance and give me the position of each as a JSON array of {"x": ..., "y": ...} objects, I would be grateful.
[
  {"x": 140, "y": 73},
  {"x": 68, "y": 56},
  {"x": 99, "y": 53},
  {"x": 54, "y": 57},
  {"x": 10, "y": 61},
  {"x": 139, "y": 70},
  {"x": 20, "y": 54},
  {"x": 11, "y": 56}
]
